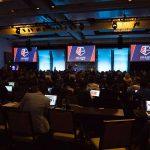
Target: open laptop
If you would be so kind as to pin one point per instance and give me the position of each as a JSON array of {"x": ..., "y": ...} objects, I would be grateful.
[
  {"x": 9, "y": 88},
  {"x": 147, "y": 107},
  {"x": 11, "y": 83},
  {"x": 95, "y": 93},
  {"x": 49, "y": 89},
  {"x": 53, "y": 100}
]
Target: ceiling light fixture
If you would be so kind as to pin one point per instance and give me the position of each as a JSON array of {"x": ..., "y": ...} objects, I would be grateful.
[
  {"x": 137, "y": 23},
  {"x": 38, "y": 29},
  {"x": 114, "y": 25},
  {"x": 31, "y": 29},
  {"x": 17, "y": 30},
  {"x": 24, "y": 30}
]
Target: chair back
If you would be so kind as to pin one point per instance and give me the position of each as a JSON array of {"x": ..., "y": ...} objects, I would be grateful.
[
  {"x": 61, "y": 121},
  {"x": 19, "y": 122},
  {"x": 3, "y": 126},
  {"x": 116, "y": 134}
]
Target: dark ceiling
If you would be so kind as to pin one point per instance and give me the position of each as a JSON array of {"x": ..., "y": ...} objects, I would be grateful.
[{"x": 75, "y": 21}]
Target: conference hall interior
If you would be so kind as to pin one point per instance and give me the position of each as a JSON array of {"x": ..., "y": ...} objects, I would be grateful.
[{"x": 74, "y": 74}]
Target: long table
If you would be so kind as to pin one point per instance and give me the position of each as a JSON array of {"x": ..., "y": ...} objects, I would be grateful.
[
  {"x": 80, "y": 110},
  {"x": 89, "y": 119},
  {"x": 98, "y": 111}
]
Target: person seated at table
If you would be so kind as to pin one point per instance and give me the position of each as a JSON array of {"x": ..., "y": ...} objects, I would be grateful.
[
  {"x": 3, "y": 92},
  {"x": 92, "y": 85},
  {"x": 127, "y": 79},
  {"x": 83, "y": 96},
  {"x": 144, "y": 91},
  {"x": 135, "y": 85},
  {"x": 36, "y": 103}
]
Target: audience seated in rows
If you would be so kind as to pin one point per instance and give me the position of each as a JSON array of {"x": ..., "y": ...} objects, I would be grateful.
[{"x": 113, "y": 85}]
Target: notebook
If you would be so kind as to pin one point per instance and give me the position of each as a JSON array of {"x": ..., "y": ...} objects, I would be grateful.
[
  {"x": 53, "y": 99},
  {"x": 95, "y": 93},
  {"x": 9, "y": 88}
]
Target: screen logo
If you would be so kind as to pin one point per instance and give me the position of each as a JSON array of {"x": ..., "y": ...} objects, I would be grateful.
[
  {"x": 80, "y": 51},
  {"x": 145, "y": 50},
  {"x": 24, "y": 52}
]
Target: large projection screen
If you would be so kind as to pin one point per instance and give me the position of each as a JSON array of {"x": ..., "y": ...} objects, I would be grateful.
[
  {"x": 104, "y": 59},
  {"x": 51, "y": 60},
  {"x": 121, "y": 59}
]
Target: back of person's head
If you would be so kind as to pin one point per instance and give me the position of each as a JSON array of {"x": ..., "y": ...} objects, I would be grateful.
[
  {"x": 82, "y": 84},
  {"x": 137, "y": 80},
  {"x": 127, "y": 75},
  {"x": 33, "y": 85},
  {"x": 143, "y": 84},
  {"x": 92, "y": 79}
]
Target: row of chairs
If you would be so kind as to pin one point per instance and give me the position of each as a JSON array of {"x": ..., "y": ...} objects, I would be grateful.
[{"x": 18, "y": 124}]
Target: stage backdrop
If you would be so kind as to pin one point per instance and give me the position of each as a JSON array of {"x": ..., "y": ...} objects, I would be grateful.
[{"x": 106, "y": 59}]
